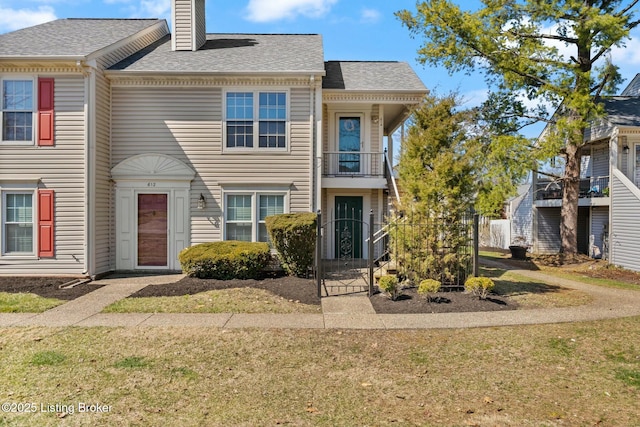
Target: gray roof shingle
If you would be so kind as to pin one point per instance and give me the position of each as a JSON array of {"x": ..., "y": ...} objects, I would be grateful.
[
  {"x": 69, "y": 37},
  {"x": 233, "y": 53},
  {"x": 383, "y": 76},
  {"x": 622, "y": 111}
]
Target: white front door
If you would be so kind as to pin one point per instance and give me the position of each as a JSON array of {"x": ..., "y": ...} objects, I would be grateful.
[
  {"x": 152, "y": 211},
  {"x": 151, "y": 228}
]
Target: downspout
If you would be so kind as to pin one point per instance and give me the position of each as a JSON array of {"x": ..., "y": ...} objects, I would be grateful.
[
  {"x": 312, "y": 138},
  {"x": 318, "y": 135},
  {"x": 614, "y": 161},
  {"x": 89, "y": 153}
]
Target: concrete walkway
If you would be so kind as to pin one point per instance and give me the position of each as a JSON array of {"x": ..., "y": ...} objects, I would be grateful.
[{"x": 338, "y": 312}]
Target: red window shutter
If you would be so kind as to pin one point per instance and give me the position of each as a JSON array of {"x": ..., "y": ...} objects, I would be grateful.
[
  {"x": 45, "y": 111},
  {"x": 45, "y": 223}
]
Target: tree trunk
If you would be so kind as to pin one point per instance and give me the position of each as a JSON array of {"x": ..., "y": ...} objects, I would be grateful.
[{"x": 570, "y": 196}]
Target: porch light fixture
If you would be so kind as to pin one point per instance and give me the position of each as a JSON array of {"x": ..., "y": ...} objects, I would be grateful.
[
  {"x": 625, "y": 148},
  {"x": 202, "y": 203}
]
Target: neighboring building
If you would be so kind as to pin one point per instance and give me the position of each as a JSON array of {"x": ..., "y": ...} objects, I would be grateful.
[
  {"x": 123, "y": 143},
  {"x": 609, "y": 205}
]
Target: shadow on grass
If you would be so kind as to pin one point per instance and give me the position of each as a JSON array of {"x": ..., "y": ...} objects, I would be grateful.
[
  {"x": 509, "y": 286},
  {"x": 493, "y": 259}
]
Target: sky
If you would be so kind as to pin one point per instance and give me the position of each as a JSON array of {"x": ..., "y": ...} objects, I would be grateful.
[{"x": 351, "y": 29}]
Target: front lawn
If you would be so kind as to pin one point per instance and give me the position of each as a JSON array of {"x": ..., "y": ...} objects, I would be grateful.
[
  {"x": 541, "y": 375},
  {"x": 26, "y": 303}
]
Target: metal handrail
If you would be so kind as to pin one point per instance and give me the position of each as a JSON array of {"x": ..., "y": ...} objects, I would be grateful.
[{"x": 392, "y": 178}]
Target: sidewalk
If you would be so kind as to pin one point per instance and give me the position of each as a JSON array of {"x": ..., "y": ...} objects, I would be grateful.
[{"x": 338, "y": 312}]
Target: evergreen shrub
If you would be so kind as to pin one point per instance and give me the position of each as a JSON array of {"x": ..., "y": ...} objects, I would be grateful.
[
  {"x": 479, "y": 286},
  {"x": 293, "y": 236},
  {"x": 225, "y": 260},
  {"x": 391, "y": 286}
]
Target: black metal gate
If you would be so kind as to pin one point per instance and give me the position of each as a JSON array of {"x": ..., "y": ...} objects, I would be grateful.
[{"x": 341, "y": 264}]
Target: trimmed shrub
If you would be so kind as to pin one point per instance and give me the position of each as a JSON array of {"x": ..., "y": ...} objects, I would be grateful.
[
  {"x": 294, "y": 238},
  {"x": 479, "y": 286},
  {"x": 225, "y": 260},
  {"x": 390, "y": 285},
  {"x": 428, "y": 287}
]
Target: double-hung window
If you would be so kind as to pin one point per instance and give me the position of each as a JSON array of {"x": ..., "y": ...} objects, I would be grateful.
[
  {"x": 246, "y": 213},
  {"x": 256, "y": 120},
  {"x": 17, "y": 223},
  {"x": 17, "y": 110}
]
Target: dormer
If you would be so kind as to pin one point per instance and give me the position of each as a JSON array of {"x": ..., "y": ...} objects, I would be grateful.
[{"x": 189, "y": 27}]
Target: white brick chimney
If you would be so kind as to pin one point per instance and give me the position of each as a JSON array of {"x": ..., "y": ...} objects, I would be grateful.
[{"x": 189, "y": 28}]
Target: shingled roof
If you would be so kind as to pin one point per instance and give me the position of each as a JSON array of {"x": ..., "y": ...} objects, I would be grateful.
[
  {"x": 73, "y": 38},
  {"x": 622, "y": 110},
  {"x": 233, "y": 53},
  {"x": 382, "y": 76}
]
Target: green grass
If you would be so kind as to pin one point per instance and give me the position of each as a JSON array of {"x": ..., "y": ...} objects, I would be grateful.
[
  {"x": 26, "y": 303},
  {"x": 47, "y": 358},
  {"x": 132, "y": 362},
  {"x": 236, "y": 300},
  {"x": 630, "y": 377},
  {"x": 540, "y": 375}
]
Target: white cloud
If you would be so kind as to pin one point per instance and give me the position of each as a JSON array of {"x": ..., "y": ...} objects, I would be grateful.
[
  {"x": 474, "y": 98},
  {"x": 630, "y": 53},
  {"x": 274, "y": 10},
  {"x": 155, "y": 8},
  {"x": 370, "y": 15},
  {"x": 14, "y": 19},
  {"x": 145, "y": 8}
]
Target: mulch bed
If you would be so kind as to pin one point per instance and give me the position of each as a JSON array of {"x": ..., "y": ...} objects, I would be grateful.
[
  {"x": 410, "y": 302},
  {"x": 46, "y": 287},
  {"x": 289, "y": 288}
]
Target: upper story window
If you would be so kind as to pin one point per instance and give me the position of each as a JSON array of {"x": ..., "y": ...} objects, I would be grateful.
[
  {"x": 256, "y": 120},
  {"x": 17, "y": 110}
]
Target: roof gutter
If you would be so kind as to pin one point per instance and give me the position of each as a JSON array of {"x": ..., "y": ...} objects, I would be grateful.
[{"x": 187, "y": 74}]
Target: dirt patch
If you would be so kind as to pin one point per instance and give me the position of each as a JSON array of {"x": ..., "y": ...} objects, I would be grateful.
[
  {"x": 46, "y": 287},
  {"x": 410, "y": 302},
  {"x": 290, "y": 288}
]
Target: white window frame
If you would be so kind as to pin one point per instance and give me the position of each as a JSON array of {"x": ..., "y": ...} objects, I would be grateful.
[
  {"x": 256, "y": 121},
  {"x": 34, "y": 109},
  {"x": 255, "y": 207},
  {"x": 3, "y": 221}
]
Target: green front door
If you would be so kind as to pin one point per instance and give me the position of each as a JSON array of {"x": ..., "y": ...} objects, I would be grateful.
[{"x": 348, "y": 232}]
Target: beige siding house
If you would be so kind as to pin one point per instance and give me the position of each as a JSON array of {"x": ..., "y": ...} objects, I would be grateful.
[{"x": 123, "y": 143}]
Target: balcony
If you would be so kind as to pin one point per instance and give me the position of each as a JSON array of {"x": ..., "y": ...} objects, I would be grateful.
[
  {"x": 353, "y": 164},
  {"x": 353, "y": 170},
  {"x": 589, "y": 188}
]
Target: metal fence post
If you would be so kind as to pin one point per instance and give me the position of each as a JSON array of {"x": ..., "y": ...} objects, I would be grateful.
[
  {"x": 476, "y": 244},
  {"x": 371, "y": 253},
  {"x": 319, "y": 253}
]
